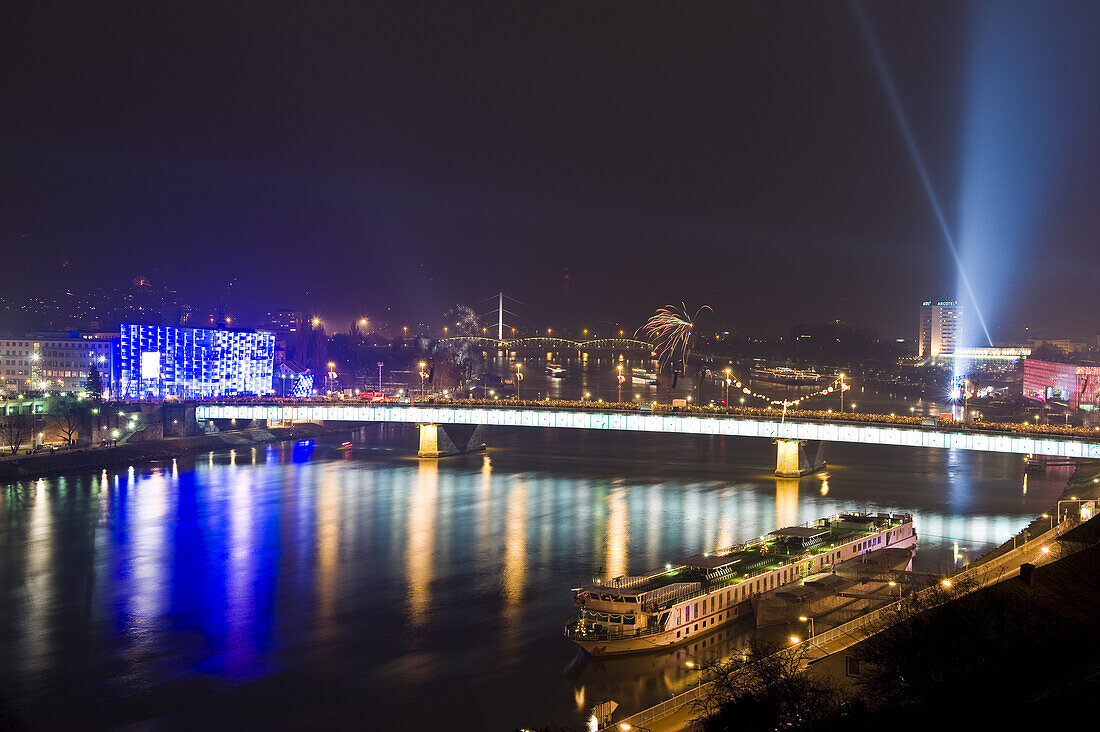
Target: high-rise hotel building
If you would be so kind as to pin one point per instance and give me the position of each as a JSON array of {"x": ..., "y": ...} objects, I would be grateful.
[{"x": 939, "y": 327}]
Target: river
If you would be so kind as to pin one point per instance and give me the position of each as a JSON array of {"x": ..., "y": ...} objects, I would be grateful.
[{"x": 290, "y": 585}]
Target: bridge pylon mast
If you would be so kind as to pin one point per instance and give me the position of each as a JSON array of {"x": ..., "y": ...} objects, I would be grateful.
[{"x": 500, "y": 318}]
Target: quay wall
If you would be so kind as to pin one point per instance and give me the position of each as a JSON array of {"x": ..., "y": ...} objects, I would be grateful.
[{"x": 29, "y": 467}]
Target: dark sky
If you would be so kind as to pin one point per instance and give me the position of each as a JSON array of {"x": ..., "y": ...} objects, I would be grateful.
[{"x": 595, "y": 160}]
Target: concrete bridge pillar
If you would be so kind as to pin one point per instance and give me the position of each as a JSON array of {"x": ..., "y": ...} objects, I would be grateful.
[
  {"x": 798, "y": 457},
  {"x": 437, "y": 440}
]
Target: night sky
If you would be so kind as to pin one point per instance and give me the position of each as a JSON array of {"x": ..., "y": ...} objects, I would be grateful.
[{"x": 595, "y": 160}]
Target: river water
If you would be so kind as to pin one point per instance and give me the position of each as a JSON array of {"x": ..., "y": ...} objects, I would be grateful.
[{"x": 289, "y": 585}]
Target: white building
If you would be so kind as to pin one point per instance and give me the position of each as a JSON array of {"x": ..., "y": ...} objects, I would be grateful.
[
  {"x": 939, "y": 327},
  {"x": 51, "y": 364}
]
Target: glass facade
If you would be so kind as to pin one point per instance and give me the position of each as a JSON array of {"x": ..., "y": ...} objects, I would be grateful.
[{"x": 193, "y": 363}]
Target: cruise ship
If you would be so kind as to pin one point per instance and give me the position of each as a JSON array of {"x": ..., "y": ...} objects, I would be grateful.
[
  {"x": 643, "y": 376},
  {"x": 696, "y": 595},
  {"x": 555, "y": 371},
  {"x": 784, "y": 375}
]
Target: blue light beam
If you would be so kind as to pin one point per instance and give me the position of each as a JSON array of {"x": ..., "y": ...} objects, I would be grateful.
[
  {"x": 914, "y": 152},
  {"x": 1030, "y": 73}
]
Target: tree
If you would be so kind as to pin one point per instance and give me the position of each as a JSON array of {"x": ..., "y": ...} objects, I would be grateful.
[
  {"x": 15, "y": 429},
  {"x": 67, "y": 416},
  {"x": 94, "y": 383},
  {"x": 766, "y": 689}
]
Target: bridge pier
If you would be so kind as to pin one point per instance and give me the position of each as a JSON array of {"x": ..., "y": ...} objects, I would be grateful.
[
  {"x": 437, "y": 441},
  {"x": 795, "y": 458}
]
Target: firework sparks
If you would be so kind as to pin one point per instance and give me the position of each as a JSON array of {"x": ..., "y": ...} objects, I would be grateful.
[{"x": 669, "y": 329}]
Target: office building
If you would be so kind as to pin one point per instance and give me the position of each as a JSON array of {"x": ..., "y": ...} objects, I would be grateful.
[
  {"x": 283, "y": 321},
  {"x": 939, "y": 327},
  {"x": 51, "y": 362}
]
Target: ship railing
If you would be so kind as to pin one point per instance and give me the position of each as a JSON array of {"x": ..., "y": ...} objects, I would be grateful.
[
  {"x": 575, "y": 629},
  {"x": 625, "y": 583}
]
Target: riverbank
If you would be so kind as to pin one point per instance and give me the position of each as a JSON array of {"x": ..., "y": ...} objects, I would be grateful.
[{"x": 29, "y": 467}]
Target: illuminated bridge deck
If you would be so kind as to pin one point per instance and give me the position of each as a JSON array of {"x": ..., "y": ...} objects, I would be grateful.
[{"x": 673, "y": 423}]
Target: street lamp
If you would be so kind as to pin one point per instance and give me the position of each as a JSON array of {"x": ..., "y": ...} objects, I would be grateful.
[
  {"x": 729, "y": 381},
  {"x": 805, "y": 619},
  {"x": 519, "y": 377},
  {"x": 842, "y": 387},
  {"x": 627, "y": 726},
  {"x": 1048, "y": 516},
  {"x": 423, "y": 377},
  {"x": 619, "y": 367}
]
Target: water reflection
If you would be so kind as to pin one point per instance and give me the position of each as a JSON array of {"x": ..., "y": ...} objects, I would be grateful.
[
  {"x": 420, "y": 540},
  {"x": 514, "y": 571},
  {"x": 786, "y": 502},
  {"x": 618, "y": 533},
  {"x": 418, "y": 579},
  {"x": 328, "y": 548}
]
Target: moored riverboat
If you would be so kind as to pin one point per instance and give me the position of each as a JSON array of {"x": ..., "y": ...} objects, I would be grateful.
[{"x": 696, "y": 595}]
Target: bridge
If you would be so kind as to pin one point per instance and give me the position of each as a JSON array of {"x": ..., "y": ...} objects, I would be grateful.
[
  {"x": 625, "y": 344},
  {"x": 455, "y": 428}
]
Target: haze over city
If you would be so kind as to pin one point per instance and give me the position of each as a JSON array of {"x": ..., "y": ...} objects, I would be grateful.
[{"x": 595, "y": 161}]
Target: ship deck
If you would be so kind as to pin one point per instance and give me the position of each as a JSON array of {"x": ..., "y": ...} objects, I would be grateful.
[{"x": 707, "y": 571}]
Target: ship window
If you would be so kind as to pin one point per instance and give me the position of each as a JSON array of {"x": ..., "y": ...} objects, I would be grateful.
[
  {"x": 712, "y": 604},
  {"x": 616, "y": 619},
  {"x": 696, "y": 626},
  {"x": 677, "y": 616},
  {"x": 677, "y": 634},
  {"x": 628, "y": 619}
]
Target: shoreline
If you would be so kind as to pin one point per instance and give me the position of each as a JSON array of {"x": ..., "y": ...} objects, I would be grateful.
[{"x": 31, "y": 467}]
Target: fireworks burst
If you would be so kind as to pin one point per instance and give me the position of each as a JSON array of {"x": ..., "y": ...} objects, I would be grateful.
[{"x": 669, "y": 329}]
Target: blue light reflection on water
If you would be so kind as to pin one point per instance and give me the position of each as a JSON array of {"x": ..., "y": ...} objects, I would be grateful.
[{"x": 389, "y": 580}]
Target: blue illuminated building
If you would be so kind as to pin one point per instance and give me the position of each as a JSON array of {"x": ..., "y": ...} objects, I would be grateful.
[{"x": 193, "y": 363}]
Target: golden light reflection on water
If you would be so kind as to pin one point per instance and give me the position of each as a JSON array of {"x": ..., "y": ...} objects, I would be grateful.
[
  {"x": 618, "y": 532},
  {"x": 515, "y": 544},
  {"x": 420, "y": 530},
  {"x": 786, "y": 502},
  {"x": 328, "y": 550},
  {"x": 514, "y": 571}
]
